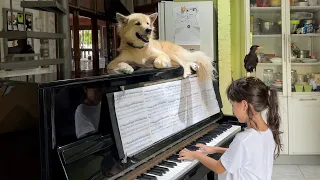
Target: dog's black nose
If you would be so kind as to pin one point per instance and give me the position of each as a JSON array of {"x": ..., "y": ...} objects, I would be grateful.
[{"x": 148, "y": 30}]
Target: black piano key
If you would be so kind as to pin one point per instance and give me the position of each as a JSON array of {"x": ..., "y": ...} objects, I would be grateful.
[
  {"x": 166, "y": 165},
  {"x": 155, "y": 172},
  {"x": 174, "y": 164},
  {"x": 163, "y": 168},
  {"x": 142, "y": 178},
  {"x": 202, "y": 142},
  {"x": 175, "y": 155},
  {"x": 149, "y": 176},
  {"x": 159, "y": 170}
]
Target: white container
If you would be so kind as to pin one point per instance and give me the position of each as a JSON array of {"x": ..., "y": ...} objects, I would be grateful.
[
  {"x": 303, "y": 4},
  {"x": 313, "y": 2}
]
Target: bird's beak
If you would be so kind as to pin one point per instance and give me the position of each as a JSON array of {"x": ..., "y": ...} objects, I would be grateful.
[{"x": 259, "y": 47}]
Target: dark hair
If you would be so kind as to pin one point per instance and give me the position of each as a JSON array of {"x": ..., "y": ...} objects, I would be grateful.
[{"x": 261, "y": 97}]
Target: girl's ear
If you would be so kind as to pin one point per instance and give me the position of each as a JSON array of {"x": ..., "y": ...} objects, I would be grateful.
[{"x": 244, "y": 105}]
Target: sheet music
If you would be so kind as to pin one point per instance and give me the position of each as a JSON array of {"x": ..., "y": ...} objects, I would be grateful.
[
  {"x": 149, "y": 114},
  {"x": 132, "y": 120}
]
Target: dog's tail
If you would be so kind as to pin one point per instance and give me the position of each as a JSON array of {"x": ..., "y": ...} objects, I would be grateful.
[{"x": 206, "y": 69}]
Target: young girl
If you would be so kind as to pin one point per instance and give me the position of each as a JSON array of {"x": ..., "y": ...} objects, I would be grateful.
[{"x": 251, "y": 154}]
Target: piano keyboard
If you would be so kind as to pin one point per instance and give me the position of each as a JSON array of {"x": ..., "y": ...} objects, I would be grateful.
[{"x": 172, "y": 168}]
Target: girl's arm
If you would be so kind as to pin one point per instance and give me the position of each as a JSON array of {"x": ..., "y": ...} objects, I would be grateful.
[
  {"x": 209, "y": 162},
  {"x": 211, "y": 149},
  {"x": 212, "y": 164}
]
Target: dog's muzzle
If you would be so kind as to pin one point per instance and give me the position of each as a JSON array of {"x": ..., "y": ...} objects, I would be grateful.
[{"x": 143, "y": 38}]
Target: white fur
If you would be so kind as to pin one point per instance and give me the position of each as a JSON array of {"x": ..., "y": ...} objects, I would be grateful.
[{"x": 158, "y": 54}]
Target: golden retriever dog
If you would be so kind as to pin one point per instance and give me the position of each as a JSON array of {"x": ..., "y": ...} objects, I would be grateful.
[{"x": 138, "y": 48}]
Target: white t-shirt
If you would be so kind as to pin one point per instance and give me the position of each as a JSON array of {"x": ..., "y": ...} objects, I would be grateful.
[
  {"x": 87, "y": 119},
  {"x": 250, "y": 156}
]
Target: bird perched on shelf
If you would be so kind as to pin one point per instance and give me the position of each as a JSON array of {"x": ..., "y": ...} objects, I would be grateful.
[{"x": 251, "y": 60}]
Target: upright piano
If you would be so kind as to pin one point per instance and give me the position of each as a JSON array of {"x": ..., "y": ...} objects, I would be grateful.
[{"x": 130, "y": 126}]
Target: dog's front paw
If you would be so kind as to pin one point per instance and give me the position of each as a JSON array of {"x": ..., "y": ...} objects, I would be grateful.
[
  {"x": 187, "y": 72},
  {"x": 124, "y": 68},
  {"x": 194, "y": 66},
  {"x": 162, "y": 61}
]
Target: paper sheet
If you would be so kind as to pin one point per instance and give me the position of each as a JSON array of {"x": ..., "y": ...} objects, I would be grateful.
[
  {"x": 186, "y": 25},
  {"x": 149, "y": 114}
]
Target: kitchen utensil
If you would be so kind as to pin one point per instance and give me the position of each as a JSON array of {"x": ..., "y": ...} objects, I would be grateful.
[
  {"x": 268, "y": 76},
  {"x": 277, "y": 85},
  {"x": 268, "y": 27},
  {"x": 298, "y": 87},
  {"x": 278, "y": 77},
  {"x": 313, "y": 2},
  {"x": 275, "y": 3},
  {"x": 308, "y": 60},
  {"x": 301, "y": 78},
  {"x": 301, "y": 53},
  {"x": 303, "y": 4},
  {"x": 276, "y": 60},
  {"x": 263, "y": 3},
  {"x": 294, "y": 76},
  {"x": 293, "y": 25},
  {"x": 307, "y": 88},
  {"x": 291, "y": 2}
]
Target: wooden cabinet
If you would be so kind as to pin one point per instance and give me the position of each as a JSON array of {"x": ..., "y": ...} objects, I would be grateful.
[
  {"x": 283, "y": 104},
  {"x": 304, "y": 133}
]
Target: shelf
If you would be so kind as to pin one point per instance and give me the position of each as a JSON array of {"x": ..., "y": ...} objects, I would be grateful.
[
  {"x": 49, "y": 6},
  {"x": 311, "y": 9},
  {"x": 11, "y": 57},
  {"x": 267, "y": 36},
  {"x": 30, "y": 34},
  {"x": 306, "y": 64},
  {"x": 265, "y": 9},
  {"x": 29, "y": 64},
  {"x": 26, "y": 72},
  {"x": 315, "y": 93},
  {"x": 306, "y": 35},
  {"x": 269, "y": 64}
]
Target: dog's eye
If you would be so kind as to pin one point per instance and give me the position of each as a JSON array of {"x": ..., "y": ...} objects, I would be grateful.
[
  {"x": 138, "y": 23},
  {"x": 147, "y": 23}
]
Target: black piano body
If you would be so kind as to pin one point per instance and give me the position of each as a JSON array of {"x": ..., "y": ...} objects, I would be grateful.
[{"x": 67, "y": 154}]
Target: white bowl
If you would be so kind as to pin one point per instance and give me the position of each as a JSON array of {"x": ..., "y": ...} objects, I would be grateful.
[{"x": 276, "y": 60}]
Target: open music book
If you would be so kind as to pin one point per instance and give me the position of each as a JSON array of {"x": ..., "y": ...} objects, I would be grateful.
[{"x": 149, "y": 114}]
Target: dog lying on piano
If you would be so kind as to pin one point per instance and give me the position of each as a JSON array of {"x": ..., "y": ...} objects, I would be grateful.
[{"x": 138, "y": 48}]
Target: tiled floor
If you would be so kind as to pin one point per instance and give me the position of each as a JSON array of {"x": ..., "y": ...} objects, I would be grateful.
[{"x": 296, "y": 172}]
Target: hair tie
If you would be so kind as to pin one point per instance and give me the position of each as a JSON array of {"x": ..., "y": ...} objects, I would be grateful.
[{"x": 269, "y": 91}]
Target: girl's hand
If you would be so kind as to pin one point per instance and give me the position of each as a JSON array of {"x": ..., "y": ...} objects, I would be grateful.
[
  {"x": 207, "y": 149},
  {"x": 186, "y": 154}
]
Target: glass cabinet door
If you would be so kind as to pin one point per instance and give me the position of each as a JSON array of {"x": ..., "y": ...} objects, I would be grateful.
[
  {"x": 267, "y": 31},
  {"x": 303, "y": 22}
]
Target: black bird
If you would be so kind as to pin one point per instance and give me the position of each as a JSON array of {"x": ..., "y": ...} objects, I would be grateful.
[{"x": 251, "y": 60}]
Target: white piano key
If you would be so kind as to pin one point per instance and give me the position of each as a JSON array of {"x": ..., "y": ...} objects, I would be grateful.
[{"x": 185, "y": 166}]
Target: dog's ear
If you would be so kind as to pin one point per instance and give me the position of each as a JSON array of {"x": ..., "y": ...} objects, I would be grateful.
[
  {"x": 121, "y": 18},
  {"x": 153, "y": 17}
]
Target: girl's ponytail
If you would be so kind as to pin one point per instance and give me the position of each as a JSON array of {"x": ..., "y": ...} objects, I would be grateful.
[
  {"x": 273, "y": 119},
  {"x": 261, "y": 97}
]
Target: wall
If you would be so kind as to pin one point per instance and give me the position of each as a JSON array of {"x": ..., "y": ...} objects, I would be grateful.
[
  {"x": 237, "y": 38},
  {"x": 42, "y": 21}
]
